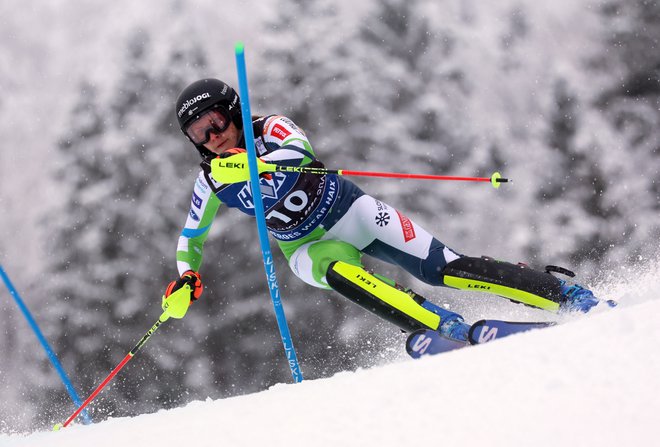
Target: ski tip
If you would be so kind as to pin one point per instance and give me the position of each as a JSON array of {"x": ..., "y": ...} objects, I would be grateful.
[
  {"x": 487, "y": 330},
  {"x": 239, "y": 48},
  {"x": 57, "y": 427},
  {"x": 424, "y": 342}
]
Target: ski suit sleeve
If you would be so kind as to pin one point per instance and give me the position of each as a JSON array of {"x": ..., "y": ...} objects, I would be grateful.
[
  {"x": 204, "y": 206},
  {"x": 288, "y": 143}
]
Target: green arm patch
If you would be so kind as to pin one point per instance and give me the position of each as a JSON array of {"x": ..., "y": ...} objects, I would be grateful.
[{"x": 305, "y": 143}]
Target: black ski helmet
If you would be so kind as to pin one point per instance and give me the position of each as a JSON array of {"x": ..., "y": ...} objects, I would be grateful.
[{"x": 203, "y": 95}]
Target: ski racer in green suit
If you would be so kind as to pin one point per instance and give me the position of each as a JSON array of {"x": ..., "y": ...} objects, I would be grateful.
[{"x": 324, "y": 224}]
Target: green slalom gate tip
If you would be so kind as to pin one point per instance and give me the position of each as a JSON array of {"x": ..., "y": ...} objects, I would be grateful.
[{"x": 239, "y": 47}]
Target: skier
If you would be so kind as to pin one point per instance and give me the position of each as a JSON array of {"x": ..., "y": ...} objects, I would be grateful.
[{"x": 324, "y": 224}]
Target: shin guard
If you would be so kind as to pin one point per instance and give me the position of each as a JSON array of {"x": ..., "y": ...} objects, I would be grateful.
[
  {"x": 516, "y": 282},
  {"x": 380, "y": 298}
]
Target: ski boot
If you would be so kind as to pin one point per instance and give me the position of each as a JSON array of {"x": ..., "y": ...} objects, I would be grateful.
[
  {"x": 576, "y": 298},
  {"x": 452, "y": 324}
]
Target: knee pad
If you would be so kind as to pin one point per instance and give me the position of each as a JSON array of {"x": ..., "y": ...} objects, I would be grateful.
[
  {"x": 311, "y": 261},
  {"x": 513, "y": 281},
  {"x": 380, "y": 298}
]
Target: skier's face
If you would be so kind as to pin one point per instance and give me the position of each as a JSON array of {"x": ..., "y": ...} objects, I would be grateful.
[{"x": 221, "y": 141}]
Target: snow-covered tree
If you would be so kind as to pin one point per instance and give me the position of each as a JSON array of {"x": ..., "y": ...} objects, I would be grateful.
[
  {"x": 631, "y": 106},
  {"x": 605, "y": 143},
  {"x": 116, "y": 234}
]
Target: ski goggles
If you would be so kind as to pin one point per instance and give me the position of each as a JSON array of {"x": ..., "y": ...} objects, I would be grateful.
[{"x": 214, "y": 120}]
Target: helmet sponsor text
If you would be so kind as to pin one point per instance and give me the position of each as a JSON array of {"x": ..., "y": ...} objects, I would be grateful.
[{"x": 192, "y": 101}]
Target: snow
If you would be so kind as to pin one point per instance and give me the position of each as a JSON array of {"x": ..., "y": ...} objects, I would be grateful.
[{"x": 593, "y": 380}]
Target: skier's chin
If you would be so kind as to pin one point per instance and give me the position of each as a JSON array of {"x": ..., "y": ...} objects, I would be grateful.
[{"x": 218, "y": 149}]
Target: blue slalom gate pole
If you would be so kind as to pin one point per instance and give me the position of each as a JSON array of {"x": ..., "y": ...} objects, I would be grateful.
[
  {"x": 269, "y": 265},
  {"x": 49, "y": 351}
]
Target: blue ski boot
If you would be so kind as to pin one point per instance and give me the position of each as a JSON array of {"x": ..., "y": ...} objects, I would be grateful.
[
  {"x": 451, "y": 323},
  {"x": 577, "y": 298}
]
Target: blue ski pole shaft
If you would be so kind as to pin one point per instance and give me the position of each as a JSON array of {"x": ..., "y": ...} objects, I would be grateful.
[
  {"x": 44, "y": 343},
  {"x": 269, "y": 265}
]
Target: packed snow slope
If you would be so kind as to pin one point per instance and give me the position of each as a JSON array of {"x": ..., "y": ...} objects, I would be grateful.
[{"x": 593, "y": 380}]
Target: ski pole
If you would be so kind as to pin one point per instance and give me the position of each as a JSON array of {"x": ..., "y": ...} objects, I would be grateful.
[
  {"x": 494, "y": 179},
  {"x": 44, "y": 343},
  {"x": 234, "y": 169},
  {"x": 175, "y": 306}
]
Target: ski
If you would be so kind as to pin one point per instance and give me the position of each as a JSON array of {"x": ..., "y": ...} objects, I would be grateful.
[
  {"x": 429, "y": 342},
  {"x": 486, "y": 330}
]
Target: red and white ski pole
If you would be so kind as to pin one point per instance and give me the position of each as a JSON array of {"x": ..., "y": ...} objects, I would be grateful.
[{"x": 175, "y": 306}]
